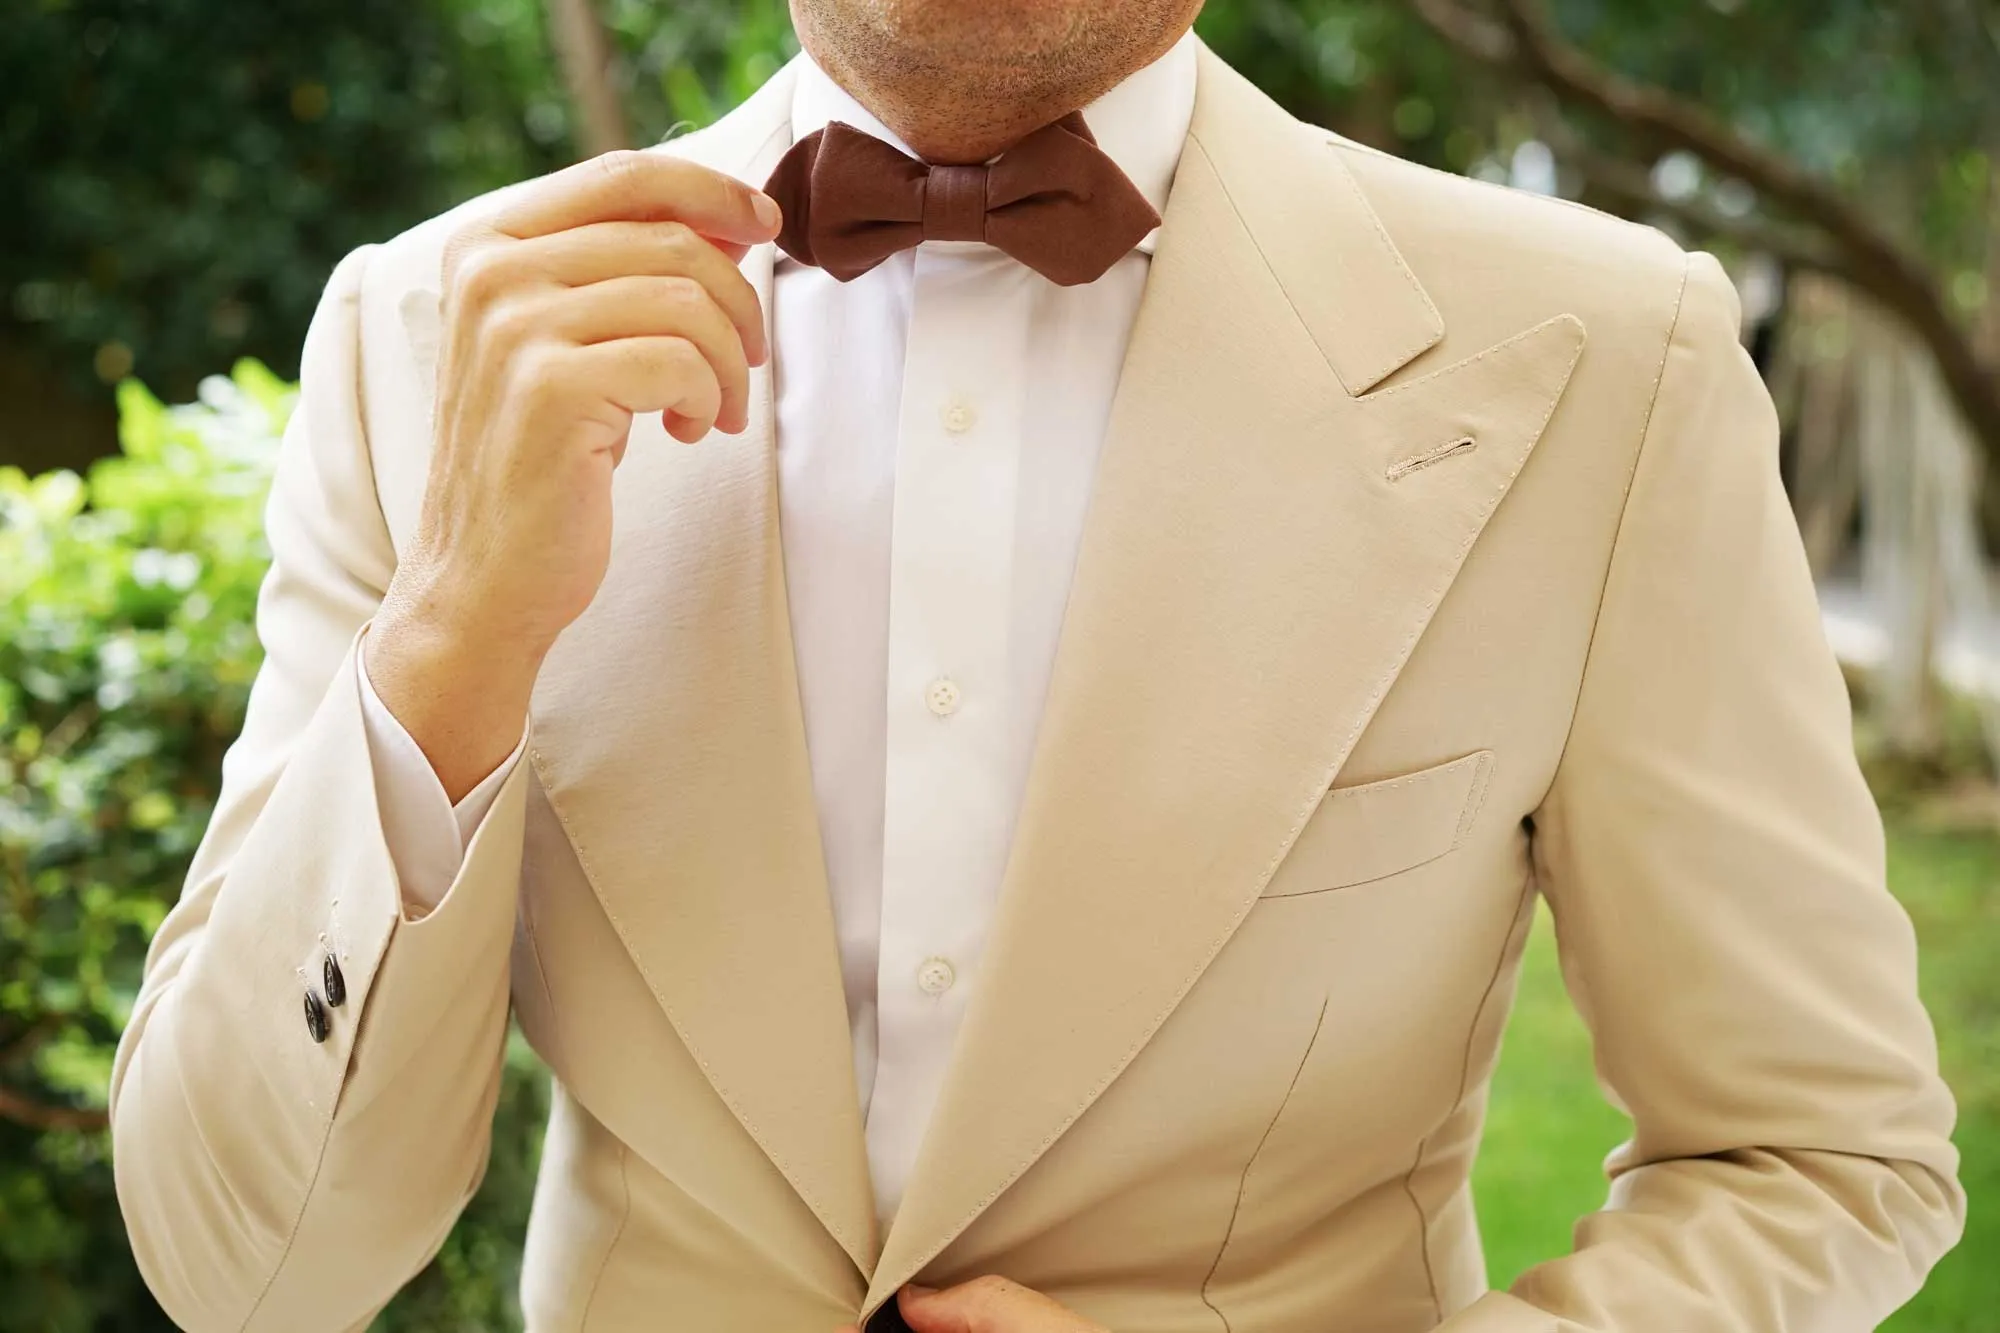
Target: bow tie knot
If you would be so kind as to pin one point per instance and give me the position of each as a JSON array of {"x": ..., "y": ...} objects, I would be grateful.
[
  {"x": 955, "y": 203},
  {"x": 1054, "y": 201}
]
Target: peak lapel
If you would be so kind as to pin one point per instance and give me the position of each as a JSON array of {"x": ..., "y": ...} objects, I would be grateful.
[
  {"x": 669, "y": 737},
  {"x": 1267, "y": 542}
]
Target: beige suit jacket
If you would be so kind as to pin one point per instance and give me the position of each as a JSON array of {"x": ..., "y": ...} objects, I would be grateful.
[{"x": 1437, "y": 561}]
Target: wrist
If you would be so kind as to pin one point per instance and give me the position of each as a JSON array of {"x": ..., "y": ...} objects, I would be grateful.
[{"x": 461, "y": 695}]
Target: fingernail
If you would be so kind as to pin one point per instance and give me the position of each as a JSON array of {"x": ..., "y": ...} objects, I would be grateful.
[
  {"x": 919, "y": 1292},
  {"x": 767, "y": 209}
]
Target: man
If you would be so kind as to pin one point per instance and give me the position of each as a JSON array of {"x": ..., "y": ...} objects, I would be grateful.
[{"x": 1416, "y": 550}]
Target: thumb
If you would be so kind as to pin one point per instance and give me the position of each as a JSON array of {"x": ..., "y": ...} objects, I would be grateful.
[
  {"x": 929, "y": 1311},
  {"x": 986, "y": 1305}
]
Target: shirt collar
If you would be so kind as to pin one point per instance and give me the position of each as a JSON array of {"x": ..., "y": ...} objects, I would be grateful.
[{"x": 1141, "y": 124}]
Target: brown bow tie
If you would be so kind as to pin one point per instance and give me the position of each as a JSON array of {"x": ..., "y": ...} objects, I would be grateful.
[{"x": 1054, "y": 201}]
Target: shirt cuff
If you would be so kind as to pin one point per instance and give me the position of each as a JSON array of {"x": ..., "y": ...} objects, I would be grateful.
[{"x": 427, "y": 835}]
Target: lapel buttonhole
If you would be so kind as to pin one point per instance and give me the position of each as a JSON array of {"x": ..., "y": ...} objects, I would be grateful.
[{"x": 1398, "y": 471}]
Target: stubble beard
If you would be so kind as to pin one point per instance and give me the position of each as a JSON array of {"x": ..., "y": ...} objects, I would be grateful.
[{"x": 961, "y": 81}]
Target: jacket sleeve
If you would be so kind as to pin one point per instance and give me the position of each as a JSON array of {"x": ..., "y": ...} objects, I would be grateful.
[
  {"x": 1715, "y": 866},
  {"x": 269, "y": 1181}
]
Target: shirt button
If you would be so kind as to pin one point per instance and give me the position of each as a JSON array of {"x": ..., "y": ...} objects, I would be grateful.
[
  {"x": 959, "y": 416},
  {"x": 936, "y": 976},
  {"x": 336, "y": 983},
  {"x": 942, "y": 697}
]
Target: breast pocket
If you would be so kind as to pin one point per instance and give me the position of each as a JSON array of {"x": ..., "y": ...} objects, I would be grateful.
[{"x": 1377, "y": 829}]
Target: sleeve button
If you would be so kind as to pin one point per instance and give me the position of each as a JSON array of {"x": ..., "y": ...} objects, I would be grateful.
[
  {"x": 315, "y": 1017},
  {"x": 336, "y": 984}
]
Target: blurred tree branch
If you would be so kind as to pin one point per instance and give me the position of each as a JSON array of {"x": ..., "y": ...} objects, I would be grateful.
[
  {"x": 1632, "y": 187},
  {"x": 1519, "y": 36},
  {"x": 585, "y": 52},
  {"x": 1470, "y": 31},
  {"x": 30, "y": 1041},
  {"x": 39, "y": 1115}
]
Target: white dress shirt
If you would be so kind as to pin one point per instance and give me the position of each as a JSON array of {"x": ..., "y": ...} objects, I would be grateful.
[{"x": 939, "y": 420}]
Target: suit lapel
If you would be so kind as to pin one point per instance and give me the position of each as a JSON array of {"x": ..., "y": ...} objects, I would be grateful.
[
  {"x": 1271, "y": 533},
  {"x": 669, "y": 737}
]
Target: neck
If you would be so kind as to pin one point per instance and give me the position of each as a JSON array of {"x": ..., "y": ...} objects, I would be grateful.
[{"x": 959, "y": 143}]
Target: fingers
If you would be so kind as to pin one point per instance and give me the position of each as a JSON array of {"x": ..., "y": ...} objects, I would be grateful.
[
  {"x": 624, "y": 308},
  {"x": 642, "y": 187},
  {"x": 967, "y": 1308},
  {"x": 605, "y": 250},
  {"x": 667, "y": 375},
  {"x": 987, "y": 1305}
]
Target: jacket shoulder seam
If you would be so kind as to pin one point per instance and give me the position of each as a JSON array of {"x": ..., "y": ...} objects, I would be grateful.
[{"x": 1625, "y": 505}]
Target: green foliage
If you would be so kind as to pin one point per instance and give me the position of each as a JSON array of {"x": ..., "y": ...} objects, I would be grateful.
[
  {"x": 181, "y": 175},
  {"x": 126, "y": 654},
  {"x": 1921, "y": 140},
  {"x": 691, "y": 62}
]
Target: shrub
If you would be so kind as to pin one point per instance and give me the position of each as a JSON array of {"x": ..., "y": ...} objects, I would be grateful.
[{"x": 126, "y": 654}]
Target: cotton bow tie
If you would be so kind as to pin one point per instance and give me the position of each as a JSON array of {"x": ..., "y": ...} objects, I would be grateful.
[{"x": 1054, "y": 201}]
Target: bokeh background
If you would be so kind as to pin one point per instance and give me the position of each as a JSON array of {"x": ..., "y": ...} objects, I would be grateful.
[{"x": 178, "y": 177}]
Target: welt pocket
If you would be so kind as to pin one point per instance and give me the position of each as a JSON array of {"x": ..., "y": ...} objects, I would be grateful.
[{"x": 1376, "y": 829}]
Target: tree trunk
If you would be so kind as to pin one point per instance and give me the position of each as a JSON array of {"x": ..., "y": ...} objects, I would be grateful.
[
  {"x": 584, "y": 48},
  {"x": 1814, "y": 387},
  {"x": 1924, "y": 560},
  {"x": 1900, "y": 567}
]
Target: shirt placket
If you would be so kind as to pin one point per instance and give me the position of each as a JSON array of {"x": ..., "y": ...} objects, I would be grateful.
[{"x": 946, "y": 814}]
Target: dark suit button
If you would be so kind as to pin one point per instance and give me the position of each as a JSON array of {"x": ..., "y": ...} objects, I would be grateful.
[
  {"x": 336, "y": 984},
  {"x": 888, "y": 1319},
  {"x": 315, "y": 1017}
]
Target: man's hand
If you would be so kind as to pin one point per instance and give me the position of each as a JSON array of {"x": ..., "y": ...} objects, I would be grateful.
[
  {"x": 986, "y": 1305},
  {"x": 607, "y": 290}
]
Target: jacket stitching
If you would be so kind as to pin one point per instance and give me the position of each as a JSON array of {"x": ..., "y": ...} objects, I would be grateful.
[
  {"x": 1196, "y": 144},
  {"x": 1432, "y": 774},
  {"x": 1358, "y": 883},
  {"x": 1429, "y": 458},
  {"x": 1497, "y": 349},
  {"x": 1625, "y": 503},
  {"x": 1403, "y": 355},
  {"x": 624, "y": 1218},
  {"x": 1464, "y": 1081},
  {"x": 541, "y": 974},
  {"x": 1435, "y": 328},
  {"x": 1475, "y": 800},
  {"x": 534, "y": 943},
  {"x": 1243, "y": 1184}
]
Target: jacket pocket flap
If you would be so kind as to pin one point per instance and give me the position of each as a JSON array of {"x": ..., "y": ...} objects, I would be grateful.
[{"x": 1378, "y": 829}]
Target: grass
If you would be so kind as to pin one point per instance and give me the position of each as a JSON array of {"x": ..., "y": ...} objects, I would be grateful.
[{"x": 1549, "y": 1128}]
